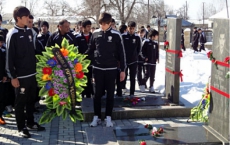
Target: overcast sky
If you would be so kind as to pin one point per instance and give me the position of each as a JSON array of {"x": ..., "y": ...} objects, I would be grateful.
[{"x": 193, "y": 9}]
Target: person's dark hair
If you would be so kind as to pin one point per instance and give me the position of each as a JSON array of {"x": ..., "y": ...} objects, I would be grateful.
[
  {"x": 142, "y": 30},
  {"x": 153, "y": 33},
  {"x": 2, "y": 38},
  {"x": 85, "y": 23},
  {"x": 105, "y": 18},
  {"x": 31, "y": 17},
  {"x": 44, "y": 23},
  {"x": 20, "y": 11},
  {"x": 79, "y": 23},
  {"x": 132, "y": 24},
  {"x": 62, "y": 22},
  {"x": 142, "y": 27},
  {"x": 195, "y": 28},
  {"x": 0, "y": 17},
  {"x": 165, "y": 25},
  {"x": 113, "y": 20},
  {"x": 148, "y": 26},
  {"x": 122, "y": 28}
]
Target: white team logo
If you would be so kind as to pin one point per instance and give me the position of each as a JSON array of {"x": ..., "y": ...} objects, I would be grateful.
[
  {"x": 30, "y": 37},
  {"x": 134, "y": 40},
  {"x": 110, "y": 38},
  {"x": 22, "y": 91}
]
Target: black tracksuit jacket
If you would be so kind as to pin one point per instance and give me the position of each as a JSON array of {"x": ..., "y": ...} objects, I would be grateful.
[
  {"x": 106, "y": 49},
  {"x": 82, "y": 43},
  {"x": 20, "y": 53},
  {"x": 56, "y": 38},
  {"x": 150, "y": 50},
  {"x": 43, "y": 38},
  {"x": 132, "y": 44}
]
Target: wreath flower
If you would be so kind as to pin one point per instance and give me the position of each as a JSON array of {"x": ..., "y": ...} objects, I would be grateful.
[{"x": 55, "y": 85}]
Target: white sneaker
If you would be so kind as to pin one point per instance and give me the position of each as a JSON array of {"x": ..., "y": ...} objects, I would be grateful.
[
  {"x": 96, "y": 121},
  {"x": 152, "y": 90},
  {"x": 108, "y": 121},
  {"x": 142, "y": 88},
  {"x": 124, "y": 91}
]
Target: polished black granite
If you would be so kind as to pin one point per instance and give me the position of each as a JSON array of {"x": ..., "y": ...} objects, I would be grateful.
[{"x": 172, "y": 136}]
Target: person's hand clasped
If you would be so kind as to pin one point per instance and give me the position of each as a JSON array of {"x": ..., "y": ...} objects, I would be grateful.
[
  {"x": 15, "y": 83},
  {"x": 122, "y": 76}
]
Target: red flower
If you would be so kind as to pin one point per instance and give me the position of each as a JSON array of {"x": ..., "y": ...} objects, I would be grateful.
[
  {"x": 47, "y": 70},
  {"x": 80, "y": 75},
  {"x": 51, "y": 92},
  {"x": 146, "y": 126},
  {"x": 143, "y": 143},
  {"x": 209, "y": 54},
  {"x": 160, "y": 130},
  {"x": 166, "y": 43},
  {"x": 227, "y": 59},
  {"x": 62, "y": 103}
]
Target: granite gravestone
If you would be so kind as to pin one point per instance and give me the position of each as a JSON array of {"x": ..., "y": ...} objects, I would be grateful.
[
  {"x": 219, "y": 106},
  {"x": 172, "y": 85}
]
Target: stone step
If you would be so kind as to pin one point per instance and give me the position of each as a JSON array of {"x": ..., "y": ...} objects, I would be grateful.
[{"x": 153, "y": 107}]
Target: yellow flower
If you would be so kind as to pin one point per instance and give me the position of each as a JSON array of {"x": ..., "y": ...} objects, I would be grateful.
[{"x": 46, "y": 77}]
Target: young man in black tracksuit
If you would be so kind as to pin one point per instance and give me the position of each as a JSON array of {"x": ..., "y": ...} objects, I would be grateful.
[
  {"x": 141, "y": 67},
  {"x": 105, "y": 50},
  {"x": 195, "y": 39},
  {"x": 3, "y": 79},
  {"x": 63, "y": 32},
  {"x": 202, "y": 39},
  {"x": 82, "y": 42},
  {"x": 44, "y": 34},
  {"x": 132, "y": 44},
  {"x": 122, "y": 29},
  {"x": 151, "y": 54},
  {"x": 182, "y": 40},
  {"x": 21, "y": 68}
]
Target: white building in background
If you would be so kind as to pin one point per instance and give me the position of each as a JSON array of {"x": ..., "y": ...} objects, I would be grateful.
[{"x": 221, "y": 14}]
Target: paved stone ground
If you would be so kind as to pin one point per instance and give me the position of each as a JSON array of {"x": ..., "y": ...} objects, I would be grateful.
[{"x": 67, "y": 133}]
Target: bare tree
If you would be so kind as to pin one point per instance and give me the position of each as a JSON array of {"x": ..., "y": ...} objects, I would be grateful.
[
  {"x": 124, "y": 8},
  {"x": 2, "y": 3},
  {"x": 52, "y": 6},
  {"x": 209, "y": 10},
  {"x": 92, "y": 9}
]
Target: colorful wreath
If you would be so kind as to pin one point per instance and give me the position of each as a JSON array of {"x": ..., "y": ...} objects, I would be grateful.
[{"x": 60, "y": 74}]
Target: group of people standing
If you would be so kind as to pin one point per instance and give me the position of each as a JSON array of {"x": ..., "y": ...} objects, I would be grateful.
[{"x": 113, "y": 54}]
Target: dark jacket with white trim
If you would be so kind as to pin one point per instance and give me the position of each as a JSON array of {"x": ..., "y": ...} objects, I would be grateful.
[
  {"x": 43, "y": 38},
  {"x": 82, "y": 43},
  {"x": 20, "y": 53},
  {"x": 56, "y": 38},
  {"x": 150, "y": 50},
  {"x": 106, "y": 49},
  {"x": 2, "y": 63},
  {"x": 132, "y": 44}
]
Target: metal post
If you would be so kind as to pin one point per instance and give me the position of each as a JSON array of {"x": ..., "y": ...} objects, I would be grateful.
[
  {"x": 148, "y": 10},
  {"x": 186, "y": 18},
  {"x": 203, "y": 14},
  {"x": 227, "y": 8}
]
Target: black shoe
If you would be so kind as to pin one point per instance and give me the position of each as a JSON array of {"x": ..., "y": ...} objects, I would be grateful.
[
  {"x": 36, "y": 126},
  {"x": 24, "y": 133}
]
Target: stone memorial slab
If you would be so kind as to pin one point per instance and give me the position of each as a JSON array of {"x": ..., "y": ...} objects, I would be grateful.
[
  {"x": 120, "y": 102},
  {"x": 219, "y": 106},
  {"x": 171, "y": 136},
  {"x": 100, "y": 136},
  {"x": 172, "y": 85}
]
